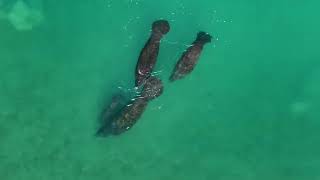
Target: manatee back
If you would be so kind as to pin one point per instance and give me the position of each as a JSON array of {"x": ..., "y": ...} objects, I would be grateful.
[{"x": 110, "y": 111}]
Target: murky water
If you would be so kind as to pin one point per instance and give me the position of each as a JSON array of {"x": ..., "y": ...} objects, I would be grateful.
[{"x": 249, "y": 110}]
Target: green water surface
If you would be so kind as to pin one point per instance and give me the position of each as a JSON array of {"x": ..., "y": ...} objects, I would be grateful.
[{"x": 249, "y": 110}]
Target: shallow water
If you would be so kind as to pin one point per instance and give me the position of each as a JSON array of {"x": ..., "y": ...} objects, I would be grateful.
[{"x": 249, "y": 110}]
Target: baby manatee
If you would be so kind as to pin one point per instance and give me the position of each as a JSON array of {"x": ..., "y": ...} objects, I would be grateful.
[
  {"x": 148, "y": 55},
  {"x": 190, "y": 57}
]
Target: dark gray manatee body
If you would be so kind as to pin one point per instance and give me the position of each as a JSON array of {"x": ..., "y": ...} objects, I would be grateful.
[
  {"x": 148, "y": 55},
  {"x": 117, "y": 103},
  {"x": 129, "y": 114},
  {"x": 190, "y": 57}
]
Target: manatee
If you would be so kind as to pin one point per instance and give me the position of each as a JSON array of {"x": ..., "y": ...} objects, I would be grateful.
[
  {"x": 190, "y": 57},
  {"x": 148, "y": 55},
  {"x": 129, "y": 114},
  {"x": 110, "y": 111}
]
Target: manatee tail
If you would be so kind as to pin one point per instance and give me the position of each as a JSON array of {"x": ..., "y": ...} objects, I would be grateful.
[
  {"x": 204, "y": 37},
  {"x": 161, "y": 26}
]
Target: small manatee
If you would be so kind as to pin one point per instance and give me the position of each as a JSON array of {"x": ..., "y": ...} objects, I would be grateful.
[{"x": 190, "y": 57}]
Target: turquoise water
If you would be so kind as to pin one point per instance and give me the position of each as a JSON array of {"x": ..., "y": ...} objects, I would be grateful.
[{"x": 249, "y": 110}]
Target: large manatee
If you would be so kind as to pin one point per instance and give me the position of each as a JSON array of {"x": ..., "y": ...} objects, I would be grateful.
[
  {"x": 149, "y": 53},
  {"x": 129, "y": 114}
]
